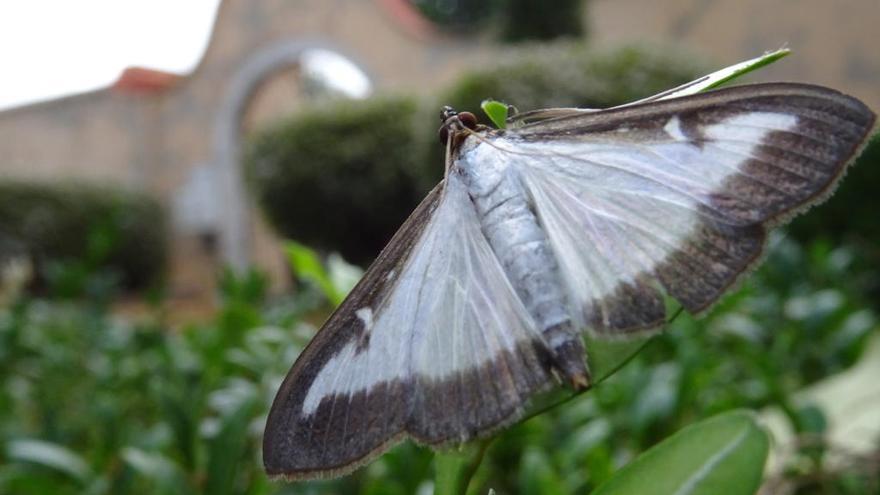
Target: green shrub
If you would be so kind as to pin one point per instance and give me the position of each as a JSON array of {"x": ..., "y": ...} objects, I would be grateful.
[
  {"x": 338, "y": 176},
  {"x": 94, "y": 404},
  {"x": 72, "y": 231}
]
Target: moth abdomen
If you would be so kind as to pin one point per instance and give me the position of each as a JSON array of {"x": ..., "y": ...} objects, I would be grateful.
[{"x": 523, "y": 249}]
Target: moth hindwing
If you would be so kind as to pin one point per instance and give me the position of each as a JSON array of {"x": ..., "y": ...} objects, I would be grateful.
[{"x": 580, "y": 222}]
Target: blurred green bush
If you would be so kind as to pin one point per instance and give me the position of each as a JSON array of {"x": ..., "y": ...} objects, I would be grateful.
[
  {"x": 344, "y": 176},
  {"x": 339, "y": 176},
  {"x": 70, "y": 232},
  {"x": 93, "y": 404}
]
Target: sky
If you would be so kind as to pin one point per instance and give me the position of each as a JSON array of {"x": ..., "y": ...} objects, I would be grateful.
[{"x": 52, "y": 48}]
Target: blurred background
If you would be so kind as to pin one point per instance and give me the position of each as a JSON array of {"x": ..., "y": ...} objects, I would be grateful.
[{"x": 156, "y": 158}]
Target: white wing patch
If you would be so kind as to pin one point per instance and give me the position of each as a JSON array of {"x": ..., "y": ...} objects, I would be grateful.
[
  {"x": 366, "y": 317},
  {"x": 452, "y": 310},
  {"x": 614, "y": 210},
  {"x": 673, "y": 128}
]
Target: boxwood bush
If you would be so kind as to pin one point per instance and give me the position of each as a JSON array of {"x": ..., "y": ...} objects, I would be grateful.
[
  {"x": 338, "y": 176},
  {"x": 67, "y": 230},
  {"x": 343, "y": 176}
]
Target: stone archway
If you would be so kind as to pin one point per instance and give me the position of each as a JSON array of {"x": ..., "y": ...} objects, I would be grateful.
[{"x": 235, "y": 206}]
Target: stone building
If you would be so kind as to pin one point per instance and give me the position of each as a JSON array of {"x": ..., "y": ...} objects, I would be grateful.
[{"x": 177, "y": 136}]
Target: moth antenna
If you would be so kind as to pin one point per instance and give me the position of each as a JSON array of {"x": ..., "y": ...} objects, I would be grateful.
[{"x": 448, "y": 165}]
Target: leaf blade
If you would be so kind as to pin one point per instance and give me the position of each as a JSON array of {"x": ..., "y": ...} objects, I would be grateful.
[
  {"x": 496, "y": 111},
  {"x": 723, "y": 454},
  {"x": 50, "y": 455}
]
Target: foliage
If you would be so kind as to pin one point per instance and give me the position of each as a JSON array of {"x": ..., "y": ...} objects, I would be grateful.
[
  {"x": 316, "y": 189},
  {"x": 92, "y": 404},
  {"x": 71, "y": 231},
  {"x": 723, "y": 454}
]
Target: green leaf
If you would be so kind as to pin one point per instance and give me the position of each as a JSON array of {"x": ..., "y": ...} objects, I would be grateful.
[
  {"x": 723, "y": 454},
  {"x": 720, "y": 77},
  {"x": 306, "y": 265},
  {"x": 496, "y": 111},
  {"x": 454, "y": 468},
  {"x": 167, "y": 476},
  {"x": 50, "y": 455},
  {"x": 227, "y": 449},
  {"x": 537, "y": 476}
]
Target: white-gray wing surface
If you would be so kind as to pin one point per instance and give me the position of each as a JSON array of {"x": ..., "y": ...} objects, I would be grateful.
[
  {"x": 676, "y": 196},
  {"x": 437, "y": 347}
]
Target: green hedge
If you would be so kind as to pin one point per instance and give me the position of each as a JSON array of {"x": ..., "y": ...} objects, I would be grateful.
[
  {"x": 345, "y": 175},
  {"x": 69, "y": 229},
  {"x": 338, "y": 177}
]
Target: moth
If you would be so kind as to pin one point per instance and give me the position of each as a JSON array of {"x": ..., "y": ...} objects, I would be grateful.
[{"x": 565, "y": 222}]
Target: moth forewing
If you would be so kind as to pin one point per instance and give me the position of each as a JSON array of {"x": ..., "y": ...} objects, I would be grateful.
[
  {"x": 289, "y": 441},
  {"x": 435, "y": 346},
  {"x": 586, "y": 221}
]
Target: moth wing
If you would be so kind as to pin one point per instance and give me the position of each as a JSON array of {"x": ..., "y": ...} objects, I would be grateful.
[
  {"x": 676, "y": 196},
  {"x": 433, "y": 344}
]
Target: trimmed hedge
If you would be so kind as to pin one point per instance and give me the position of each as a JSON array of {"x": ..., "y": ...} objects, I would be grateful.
[
  {"x": 95, "y": 228},
  {"x": 340, "y": 176},
  {"x": 345, "y": 175}
]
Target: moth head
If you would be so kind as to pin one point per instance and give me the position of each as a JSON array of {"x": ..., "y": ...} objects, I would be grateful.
[{"x": 454, "y": 122}]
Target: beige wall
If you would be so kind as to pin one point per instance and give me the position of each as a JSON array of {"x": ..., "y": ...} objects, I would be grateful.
[{"x": 97, "y": 136}]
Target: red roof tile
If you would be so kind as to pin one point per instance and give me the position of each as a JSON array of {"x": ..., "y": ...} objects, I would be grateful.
[{"x": 141, "y": 80}]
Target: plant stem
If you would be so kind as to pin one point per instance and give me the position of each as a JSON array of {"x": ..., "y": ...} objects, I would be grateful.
[{"x": 454, "y": 469}]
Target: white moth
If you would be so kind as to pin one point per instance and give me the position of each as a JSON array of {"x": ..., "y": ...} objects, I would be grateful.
[{"x": 569, "y": 221}]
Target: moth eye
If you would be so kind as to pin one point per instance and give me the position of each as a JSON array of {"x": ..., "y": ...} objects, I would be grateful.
[
  {"x": 446, "y": 112},
  {"x": 443, "y": 134},
  {"x": 468, "y": 119}
]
